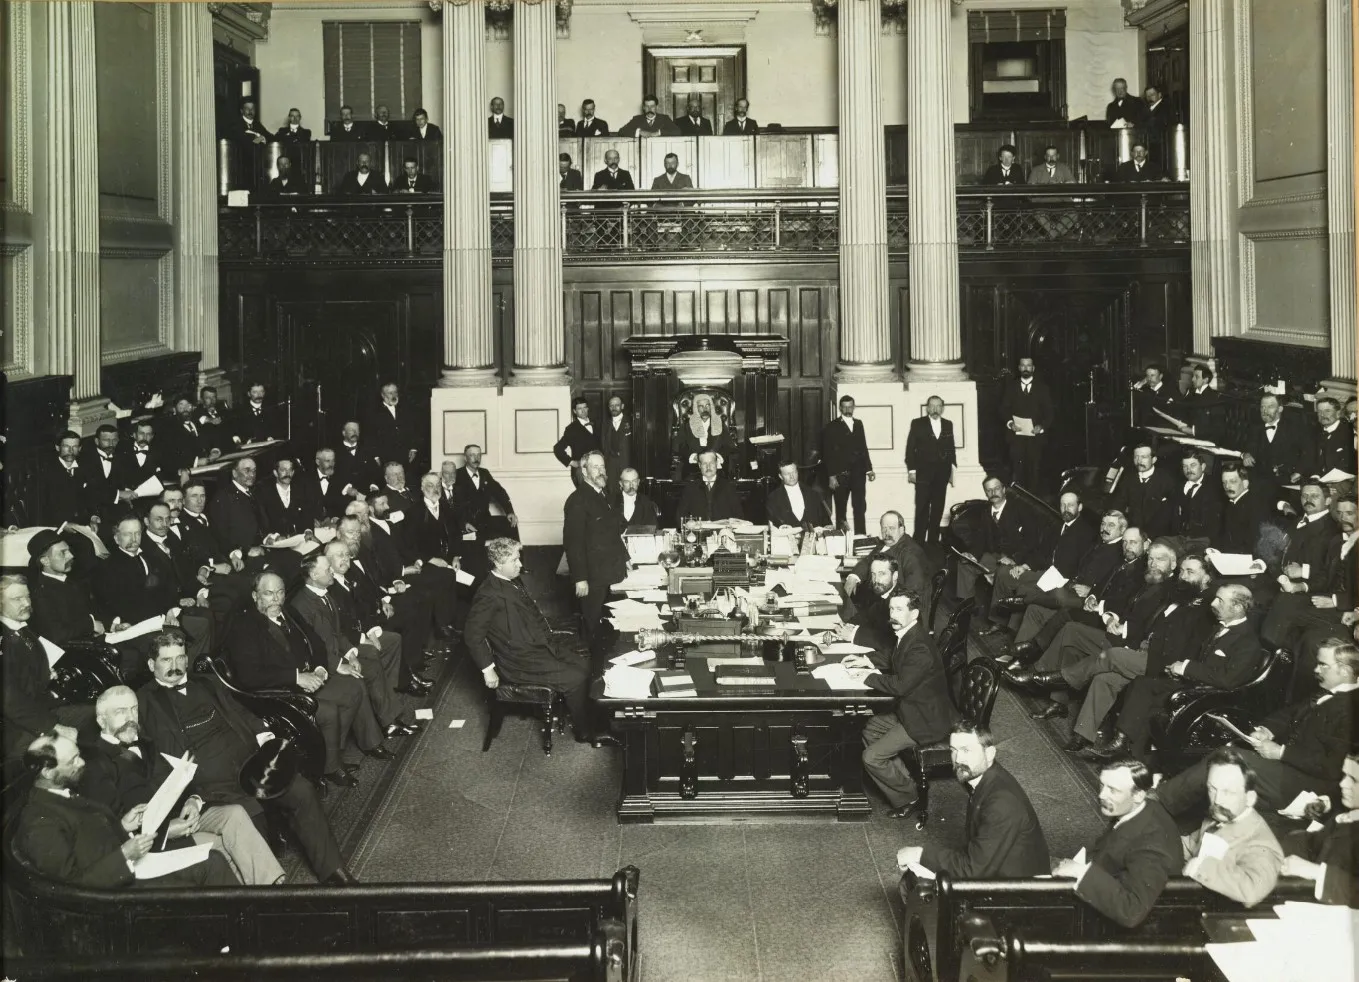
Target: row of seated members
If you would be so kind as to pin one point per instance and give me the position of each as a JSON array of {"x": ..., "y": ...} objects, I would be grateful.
[
  {"x": 363, "y": 179},
  {"x": 246, "y": 128},
  {"x": 1007, "y": 170}
]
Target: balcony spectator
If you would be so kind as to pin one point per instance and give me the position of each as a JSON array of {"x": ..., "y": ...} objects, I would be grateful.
[
  {"x": 694, "y": 123},
  {"x": 566, "y": 126},
  {"x": 424, "y": 129},
  {"x": 571, "y": 179},
  {"x": 412, "y": 181},
  {"x": 245, "y": 128},
  {"x": 1005, "y": 170},
  {"x": 1124, "y": 111},
  {"x": 1140, "y": 168},
  {"x": 293, "y": 131},
  {"x": 650, "y": 122},
  {"x": 672, "y": 179},
  {"x": 740, "y": 123},
  {"x": 612, "y": 177},
  {"x": 286, "y": 183},
  {"x": 1160, "y": 116},
  {"x": 346, "y": 130},
  {"x": 382, "y": 128},
  {"x": 1052, "y": 170},
  {"x": 499, "y": 126},
  {"x": 589, "y": 124},
  {"x": 363, "y": 179}
]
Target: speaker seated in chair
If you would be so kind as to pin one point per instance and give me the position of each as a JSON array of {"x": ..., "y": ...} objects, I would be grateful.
[{"x": 703, "y": 419}]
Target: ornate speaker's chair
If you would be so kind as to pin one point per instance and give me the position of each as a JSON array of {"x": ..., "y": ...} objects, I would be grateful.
[
  {"x": 976, "y": 698},
  {"x": 682, "y": 440}
]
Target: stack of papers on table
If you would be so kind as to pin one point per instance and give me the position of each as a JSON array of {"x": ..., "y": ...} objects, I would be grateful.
[
  {"x": 649, "y": 596},
  {"x": 823, "y": 568},
  {"x": 837, "y": 676},
  {"x": 1307, "y": 943},
  {"x": 675, "y": 685},
  {"x": 643, "y": 578},
  {"x": 633, "y": 615},
  {"x": 632, "y": 658},
  {"x": 623, "y": 682}
]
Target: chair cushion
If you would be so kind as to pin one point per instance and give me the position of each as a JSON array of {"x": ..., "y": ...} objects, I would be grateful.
[{"x": 538, "y": 695}]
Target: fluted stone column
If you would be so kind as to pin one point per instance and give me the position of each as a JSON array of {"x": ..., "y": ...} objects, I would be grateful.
[
  {"x": 539, "y": 332},
  {"x": 936, "y": 329},
  {"x": 1212, "y": 171},
  {"x": 195, "y": 210},
  {"x": 865, "y": 338},
  {"x": 1340, "y": 184},
  {"x": 72, "y": 203},
  {"x": 469, "y": 332}
]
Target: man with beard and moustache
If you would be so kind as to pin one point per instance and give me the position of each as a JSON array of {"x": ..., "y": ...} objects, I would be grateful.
[
  {"x": 672, "y": 179},
  {"x": 398, "y": 606},
  {"x": 356, "y": 463},
  {"x": 396, "y": 556},
  {"x": 914, "y": 566},
  {"x": 1028, "y": 398},
  {"x": 1329, "y": 855},
  {"x": 592, "y": 533},
  {"x": 382, "y": 559},
  {"x": 234, "y": 515},
  {"x": 1002, "y": 836},
  {"x": 181, "y": 438},
  {"x": 638, "y": 511},
  {"x": 75, "y": 840},
  {"x": 1062, "y": 550},
  {"x": 284, "y": 508},
  {"x": 325, "y": 493},
  {"x": 615, "y": 439},
  {"x": 1147, "y": 495},
  {"x": 182, "y": 714},
  {"x": 391, "y": 428},
  {"x": 122, "y": 771},
  {"x": 870, "y": 624},
  {"x": 931, "y": 459},
  {"x": 1183, "y": 624},
  {"x": 1074, "y": 656},
  {"x": 362, "y": 179},
  {"x": 1233, "y": 852}
]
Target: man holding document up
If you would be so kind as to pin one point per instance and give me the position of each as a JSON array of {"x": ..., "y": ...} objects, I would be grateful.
[{"x": 1026, "y": 406}]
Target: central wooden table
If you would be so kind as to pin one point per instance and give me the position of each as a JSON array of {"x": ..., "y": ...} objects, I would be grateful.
[{"x": 788, "y": 752}]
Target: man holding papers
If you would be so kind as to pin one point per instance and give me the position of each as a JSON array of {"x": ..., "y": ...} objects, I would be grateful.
[
  {"x": 1329, "y": 855},
  {"x": 1233, "y": 852},
  {"x": 592, "y": 534},
  {"x": 1204, "y": 414},
  {"x": 1027, "y": 409},
  {"x": 1018, "y": 584},
  {"x": 140, "y": 465}
]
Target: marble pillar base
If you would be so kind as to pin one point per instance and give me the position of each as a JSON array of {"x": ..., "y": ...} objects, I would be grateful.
[
  {"x": 516, "y": 428},
  {"x": 555, "y": 375},
  {"x": 88, "y": 414},
  {"x": 469, "y": 378}
]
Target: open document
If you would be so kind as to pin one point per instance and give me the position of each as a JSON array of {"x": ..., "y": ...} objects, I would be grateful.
[{"x": 168, "y": 794}]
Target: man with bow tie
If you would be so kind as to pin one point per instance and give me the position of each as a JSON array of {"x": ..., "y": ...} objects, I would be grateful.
[
  {"x": 592, "y": 534},
  {"x": 255, "y": 421},
  {"x": 105, "y": 497},
  {"x": 140, "y": 461},
  {"x": 211, "y": 420},
  {"x": 1147, "y": 495},
  {"x": 324, "y": 489},
  {"x": 356, "y": 462},
  {"x": 577, "y": 439},
  {"x": 740, "y": 123},
  {"x": 481, "y": 505},
  {"x": 1333, "y": 440},
  {"x": 793, "y": 503},
  {"x": 412, "y": 181},
  {"x": 1026, "y": 407},
  {"x": 1277, "y": 447},
  {"x": 285, "y": 508}
]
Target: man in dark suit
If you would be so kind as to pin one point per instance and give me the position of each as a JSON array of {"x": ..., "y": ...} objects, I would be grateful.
[
  {"x": 285, "y": 508},
  {"x": 930, "y": 460},
  {"x": 1203, "y": 413},
  {"x": 256, "y": 421},
  {"x": 433, "y": 528},
  {"x": 508, "y": 636},
  {"x": 293, "y": 132},
  {"x": 1124, "y": 110},
  {"x": 672, "y": 179},
  {"x": 710, "y": 497},
  {"x": 1127, "y": 867},
  {"x": 1332, "y": 441},
  {"x": 346, "y": 129},
  {"x": 796, "y": 504},
  {"x": 321, "y": 492},
  {"x": 139, "y": 461},
  {"x": 498, "y": 125},
  {"x": 104, "y": 497},
  {"x": 650, "y": 122},
  {"x": 391, "y": 429},
  {"x": 63, "y": 609},
  {"x": 694, "y": 123},
  {"x": 566, "y": 126},
  {"x": 180, "y": 438},
  {"x": 245, "y": 128},
  {"x": 1006, "y": 169},
  {"x": 356, "y": 461},
  {"x": 1198, "y": 504},
  {"x": 1159, "y": 117},
  {"x": 382, "y": 128},
  {"x": 1329, "y": 856},
  {"x": 592, "y": 534},
  {"x": 844, "y": 454},
  {"x": 740, "y": 123},
  {"x": 197, "y": 534},
  {"x": 569, "y": 179},
  {"x": 1243, "y": 511},
  {"x": 422, "y": 128},
  {"x": 1152, "y": 392},
  {"x": 1297, "y": 611},
  {"x": 1004, "y": 536},
  {"x": 412, "y": 181},
  {"x": 234, "y": 514},
  {"x": 615, "y": 440},
  {"x": 482, "y": 506},
  {"x": 638, "y": 511},
  {"x": 578, "y": 439},
  {"x": 176, "y": 713},
  {"x": 1063, "y": 549},
  {"x": 30, "y": 707},
  {"x": 77, "y": 840},
  {"x": 212, "y": 420},
  {"x": 612, "y": 177},
  {"x": 1140, "y": 168},
  {"x": 589, "y": 124},
  {"x": 362, "y": 179},
  {"x": 1146, "y": 495},
  {"x": 1003, "y": 837},
  {"x": 866, "y": 613},
  {"x": 914, "y": 565},
  {"x": 1302, "y": 747},
  {"x": 914, "y": 674},
  {"x": 1278, "y": 447},
  {"x": 1028, "y": 399},
  {"x": 61, "y": 494},
  {"x": 287, "y": 184}
]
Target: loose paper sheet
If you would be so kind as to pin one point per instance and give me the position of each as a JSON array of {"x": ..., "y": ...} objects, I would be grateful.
[
  {"x": 1235, "y": 563},
  {"x": 466, "y": 579},
  {"x": 632, "y": 658},
  {"x": 149, "y": 488},
  {"x": 837, "y": 676},
  {"x": 148, "y": 626},
  {"x": 155, "y": 864},
  {"x": 1023, "y": 425},
  {"x": 1051, "y": 579},
  {"x": 54, "y": 652},
  {"x": 169, "y": 792}
]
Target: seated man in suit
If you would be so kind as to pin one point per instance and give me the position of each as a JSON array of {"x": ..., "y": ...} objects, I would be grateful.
[
  {"x": 481, "y": 506},
  {"x": 1329, "y": 856},
  {"x": 1299, "y": 748},
  {"x": 245, "y": 128},
  {"x": 1243, "y": 863},
  {"x": 650, "y": 121},
  {"x": 1140, "y": 168},
  {"x": 382, "y": 128},
  {"x": 589, "y": 124},
  {"x": 1332, "y": 440},
  {"x": 612, "y": 177},
  {"x": 1198, "y": 505},
  {"x": 412, "y": 181},
  {"x": 740, "y": 123},
  {"x": 638, "y": 511},
  {"x": 1243, "y": 512},
  {"x": 323, "y": 491},
  {"x": 362, "y": 179},
  {"x": 1297, "y": 611},
  {"x": 1003, "y": 537},
  {"x": 287, "y": 184},
  {"x": 672, "y": 179},
  {"x": 432, "y": 527},
  {"x": 422, "y": 128},
  {"x": 1146, "y": 495},
  {"x": 794, "y": 503},
  {"x": 507, "y": 635},
  {"x": 693, "y": 122},
  {"x": 286, "y": 509},
  {"x": 183, "y": 713},
  {"x": 212, "y": 421},
  {"x": 1278, "y": 447},
  {"x": 30, "y": 706},
  {"x": 498, "y": 125},
  {"x": 83, "y": 842},
  {"x": 1126, "y": 869},
  {"x": 346, "y": 129},
  {"x": 293, "y": 131},
  {"x": 62, "y": 492},
  {"x": 357, "y": 463},
  {"x": 1003, "y": 837},
  {"x": 123, "y": 771},
  {"x": 568, "y": 177},
  {"x": 1051, "y": 170},
  {"x": 1062, "y": 550},
  {"x": 916, "y": 568},
  {"x": 62, "y": 607},
  {"x": 180, "y": 439},
  {"x": 1152, "y": 392},
  {"x": 234, "y": 515},
  {"x": 268, "y": 650},
  {"x": 1006, "y": 169},
  {"x": 137, "y": 462},
  {"x": 867, "y": 615},
  {"x": 710, "y": 497},
  {"x": 566, "y": 126},
  {"x": 1305, "y": 572},
  {"x": 912, "y": 672}
]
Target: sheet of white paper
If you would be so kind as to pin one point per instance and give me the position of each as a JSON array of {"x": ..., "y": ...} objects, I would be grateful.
[
  {"x": 306, "y": 548},
  {"x": 97, "y": 543},
  {"x": 819, "y": 622},
  {"x": 820, "y": 568},
  {"x": 456, "y": 724},
  {"x": 149, "y": 488},
  {"x": 921, "y": 871},
  {"x": 54, "y": 652},
  {"x": 845, "y": 648},
  {"x": 624, "y": 682},
  {"x": 648, "y": 596},
  {"x": 1335, "y": 474},
  {"x": 424, "y": 714},
  {"x": 1051, "y": 579},
  {"x": 734, "y": 660},
  {"x": 169, "y": 792},
  {"x": 1165, "y": 415},
  {"x": 323, "y": 534},
  {"x": 466, "y": 579},
  {"x": 155, "y": 864},
  {"x": 837, "y": 676},
  {"x": 148, "y": 626},
  {"x": 1297, "y": 805},
  {"x": 1023, "y": 425},
  {"x": 1080, "y": 856},
  {"x": 289, "y": 542},
  {"x": 469, "y": 537},
  {"x": 1234, "y": 563},
  {"x": 632, "y": 658},
  {"x": 644, "y": 549}
]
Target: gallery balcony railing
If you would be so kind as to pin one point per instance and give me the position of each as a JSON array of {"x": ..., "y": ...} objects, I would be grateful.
[{"x": 646, "y": 226}]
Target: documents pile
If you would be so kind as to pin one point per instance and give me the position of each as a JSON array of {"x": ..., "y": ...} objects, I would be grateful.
[
  {"x": 643, "y": 578},
  {"x": 625, "y": 682},
  {"x": 630, "y": 616},
  {"x": 1306, "y": 943}
]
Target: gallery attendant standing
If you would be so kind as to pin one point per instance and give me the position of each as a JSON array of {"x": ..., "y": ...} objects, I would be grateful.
[
  {"x": 930, "y": 459},
  {"x": 844, "y": 452},
  {"x": 1026, "y": 398},
  {"x": 578, "y": 439}
]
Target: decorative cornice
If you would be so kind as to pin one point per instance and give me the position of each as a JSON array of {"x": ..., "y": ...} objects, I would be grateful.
[
  {"x": 248, "y": 22},
  {"x": 687, "y": 24},
  {"x": 1154, "y": 13}
]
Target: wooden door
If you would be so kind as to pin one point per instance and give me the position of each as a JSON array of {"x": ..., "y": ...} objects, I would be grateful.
[{"x": 716, "y": 76}]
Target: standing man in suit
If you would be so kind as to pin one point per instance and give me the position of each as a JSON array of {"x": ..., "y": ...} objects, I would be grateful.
[
  {"x": 710, "y": 497},
  {"x": 498, "y": 125},
  {"x": 1204, "y": 412},
  {"x": 650, "y": 122},
  {"x": 612, "y": 177},
  {"x": 1333, "y": 444},
  {"x": 412, "y": 181},
  {"x": 914, "y": 674},
  {"x": 589, "y": 124},
  {"x": 391, "y": 428},
  {"x": 615, "y": 440},
  {"x": 844, "y": 454},
  {"x": 1123, "y": 111},
  {"x": 1147, "y": 496},
  {"x": 796, "y": 504},
  {"x": 1329, "y": 856},
  {"x": 362, "y": 179},
  {"x": 1244, "y": 863},
  {"x": 356, "y": 461},
  {"x": 1278, "y": 447},
  {"x": 293, "y": 132},
  {"x": 1127, "y": 867},
  {"x": 139, "y": 461},
  {"x": 566, "y": 126},
  {"x": 1198, "y": 504},
  {"x": 1152, "y": 392},
  {"x": 672, "y": 179},
  {"x": 930, "y": 461},
  {"x": 1003, "y": 837},
  {"x": 569, "y": 179},
  {"x": 245, "y": 128},
  {"x": 423, "y": 129},
  {"x": 1006, "y": 169},
  {"x": 346, "y": 130},
  {"x": 104, "y": 497},
  {"x": 740, "y": 123},
  {"x": 578, "y": 439},
  {"x": 1027, "y": 398},
  {"x": 1140, "y": 168},
  {"x": 637, "y": 509},
  {"x": 592, "y": 534},
  {"x": 1158, "y": 120},
  {"x": 694, "y": 123}
]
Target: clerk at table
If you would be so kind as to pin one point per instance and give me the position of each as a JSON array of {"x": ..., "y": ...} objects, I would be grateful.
[{"x": 710, "y": 498}]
